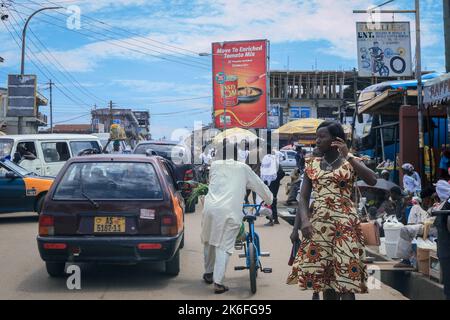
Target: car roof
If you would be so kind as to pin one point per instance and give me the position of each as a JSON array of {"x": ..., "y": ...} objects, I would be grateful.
[
  {"x": 49, "y": 136},
  {"x": 114, "y": 157},
  {"x": 162, "y": 142}
]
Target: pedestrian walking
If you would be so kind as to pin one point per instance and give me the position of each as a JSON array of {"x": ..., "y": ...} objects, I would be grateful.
[
  {"x": 272, "y": 173},
  {"x": 222, "y": 213},
  {"x": 331, "y": 254}
]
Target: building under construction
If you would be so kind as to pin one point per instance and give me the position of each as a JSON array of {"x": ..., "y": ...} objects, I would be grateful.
[
  {"x": 135, "y": 123},
  {"x": 314, "y": 94}
]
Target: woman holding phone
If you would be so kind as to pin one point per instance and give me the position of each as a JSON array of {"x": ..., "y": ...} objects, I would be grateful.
[{"x": 330, "y": 258}]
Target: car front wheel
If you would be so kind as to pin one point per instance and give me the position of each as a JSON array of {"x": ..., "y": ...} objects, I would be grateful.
[
  {"x": 173, "y": 265},
  {"x": 55, "y": 269}
]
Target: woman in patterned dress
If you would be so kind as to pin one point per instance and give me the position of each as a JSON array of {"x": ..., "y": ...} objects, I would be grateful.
[{"x": 330, "y": 258}]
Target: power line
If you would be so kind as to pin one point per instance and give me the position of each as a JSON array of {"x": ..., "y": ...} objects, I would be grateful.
[
  {"x": 71, "y": 119},
  {"x": 66, "y": 74},
  {"x": 40, "y": 70},
  {"x": 116, "y": 42},
  {"x": 134, "y": 33}
]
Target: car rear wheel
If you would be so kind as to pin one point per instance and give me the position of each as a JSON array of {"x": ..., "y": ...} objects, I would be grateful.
[
  {"x": 55, "y": 269},
  {"x": 173, "y": 265},
  {"x": 182, "y": 242},
  {"x": 40, "y": 204}
]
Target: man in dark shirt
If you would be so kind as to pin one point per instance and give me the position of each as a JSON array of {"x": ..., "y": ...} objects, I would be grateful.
[{"x": 300, "y": 158}]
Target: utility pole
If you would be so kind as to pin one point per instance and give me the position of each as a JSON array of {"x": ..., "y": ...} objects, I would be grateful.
[
  {"x": 355, "y": 98},
  {"x": 110, "y": 115},
  {"x": 51, "y": 105},
  {"x": 419, "y": 91},
  {"x": 447, "y": 33}
]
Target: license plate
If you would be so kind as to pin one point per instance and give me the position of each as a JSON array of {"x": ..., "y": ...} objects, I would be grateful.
[{"x": 109, "y": 225}]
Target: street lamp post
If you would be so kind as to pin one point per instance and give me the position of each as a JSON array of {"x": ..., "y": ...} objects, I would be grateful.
[
  {"x": 22, "y": 64},
  {"x": 24, "y": 32},
  {"x": 224, "y": 79}
]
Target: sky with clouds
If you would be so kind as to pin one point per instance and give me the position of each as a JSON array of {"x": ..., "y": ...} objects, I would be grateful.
[{"x": 144, "y": 54}]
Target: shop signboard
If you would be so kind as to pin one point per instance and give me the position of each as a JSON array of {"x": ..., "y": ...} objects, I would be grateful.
[{"x": 384, "y": 49}]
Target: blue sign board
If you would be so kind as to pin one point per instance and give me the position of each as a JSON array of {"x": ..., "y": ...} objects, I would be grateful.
[
  {"x": 305, "y": 112},
  {"x": 295, "y": 113}
]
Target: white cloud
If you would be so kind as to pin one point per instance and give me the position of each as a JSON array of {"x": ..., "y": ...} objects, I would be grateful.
[
  {"x": 145, "y": 86},
  {"x": 195, "y": 24}
]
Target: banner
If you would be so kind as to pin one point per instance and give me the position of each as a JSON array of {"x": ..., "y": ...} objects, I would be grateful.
[
  {"x": 437, "y": 91},
  {"x": 384, "y": 49},
  {"x": 240, "y": 76}
]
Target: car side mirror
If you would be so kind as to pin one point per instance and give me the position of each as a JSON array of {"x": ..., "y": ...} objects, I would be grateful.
[
  {"x": 17, "y": 157},
  {"x": 11, "y": 175}
]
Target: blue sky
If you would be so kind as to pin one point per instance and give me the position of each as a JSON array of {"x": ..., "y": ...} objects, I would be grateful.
[{"x": 141, "y": 54}]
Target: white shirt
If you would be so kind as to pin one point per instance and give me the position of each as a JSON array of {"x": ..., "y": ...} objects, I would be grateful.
[
  {"x": 243, "y": 155},
  {"x": 412, "y": 184},
  {"x": 269, "y": 168},
  {"x": 206, "y": 159},
  {"x": 417, "y": 215}
]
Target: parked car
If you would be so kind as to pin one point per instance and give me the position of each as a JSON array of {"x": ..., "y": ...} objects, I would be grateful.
[
  {"x": 20, "y": 189},
  {"x": 178, "y": 155},
  {"x": 45, "y": 154},
  {"x": 288, "y": 163},
  {"x": 112, "y": 209}
]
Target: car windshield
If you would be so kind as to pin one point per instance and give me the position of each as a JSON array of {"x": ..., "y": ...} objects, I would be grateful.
[
  {"x": 291, "y": 155},
  {"x": 5, "y": 147},
  {"x": 78, "y": 146},
  {"x": 16, "y": 168},
  {"x": 109, "y": 181}
]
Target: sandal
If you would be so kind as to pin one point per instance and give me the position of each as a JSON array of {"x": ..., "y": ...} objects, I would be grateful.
[
  {"x": 219, "y": 289},
  {"x": 208, "y": 278}
]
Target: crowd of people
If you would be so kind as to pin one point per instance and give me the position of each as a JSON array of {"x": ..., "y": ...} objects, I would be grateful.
[{"x": 330, "y": 246}]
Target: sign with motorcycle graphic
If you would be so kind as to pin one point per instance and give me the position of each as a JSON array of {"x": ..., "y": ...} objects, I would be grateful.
[{"x": 384, "y": 49}]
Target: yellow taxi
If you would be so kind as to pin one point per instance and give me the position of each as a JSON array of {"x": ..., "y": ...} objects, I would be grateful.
[{"x": 20, "y": 189}]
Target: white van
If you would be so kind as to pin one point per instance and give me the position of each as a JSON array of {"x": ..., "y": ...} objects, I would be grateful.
[{"x": 45, "y": 154}]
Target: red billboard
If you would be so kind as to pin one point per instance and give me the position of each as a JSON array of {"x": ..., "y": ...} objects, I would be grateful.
[{"x": 240, "y": 76}]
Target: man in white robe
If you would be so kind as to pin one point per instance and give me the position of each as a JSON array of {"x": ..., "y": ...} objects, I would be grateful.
[{"x": 222, "y": 214}]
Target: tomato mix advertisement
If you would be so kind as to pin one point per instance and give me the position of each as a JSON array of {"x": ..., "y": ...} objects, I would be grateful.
[{"x": 240, "y": 75}]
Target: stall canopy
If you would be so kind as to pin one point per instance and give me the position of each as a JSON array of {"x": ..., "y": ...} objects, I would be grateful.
[
  {"x": 302, "y": 126},
  {"x": 437, "y": 91},
  {"x": 237, "y": 134}
]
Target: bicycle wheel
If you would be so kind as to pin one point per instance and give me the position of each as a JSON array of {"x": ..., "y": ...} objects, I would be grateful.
[{"x": 253, "y": 268}]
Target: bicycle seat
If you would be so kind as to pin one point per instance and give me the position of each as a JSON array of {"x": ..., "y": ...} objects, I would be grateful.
[{"x": 250, "y": 218}]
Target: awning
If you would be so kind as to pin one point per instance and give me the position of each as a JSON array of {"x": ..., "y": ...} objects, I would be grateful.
[{"x": 437, "y": 91}]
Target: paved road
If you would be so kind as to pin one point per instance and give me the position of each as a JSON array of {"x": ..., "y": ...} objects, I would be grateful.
[{"x": 23, "y": 274}]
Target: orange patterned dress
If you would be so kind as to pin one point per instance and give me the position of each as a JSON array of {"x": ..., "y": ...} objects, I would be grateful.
[{"x": 333, "y": 258}]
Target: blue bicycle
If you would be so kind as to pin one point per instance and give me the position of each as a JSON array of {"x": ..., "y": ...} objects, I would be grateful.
[{"x": 251, "y": 246}]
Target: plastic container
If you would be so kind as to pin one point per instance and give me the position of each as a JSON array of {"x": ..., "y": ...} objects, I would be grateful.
[
  {"x": 391, "y": 249},
  {"x": 382, "y": 247},
  {"x": 392, "y": 230}
]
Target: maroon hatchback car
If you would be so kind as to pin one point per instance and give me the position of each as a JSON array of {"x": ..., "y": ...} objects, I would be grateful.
[{"x": 112, "y": 209}]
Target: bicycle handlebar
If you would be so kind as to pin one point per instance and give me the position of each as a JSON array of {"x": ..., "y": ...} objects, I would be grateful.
[{"x": 257, "y": 207}]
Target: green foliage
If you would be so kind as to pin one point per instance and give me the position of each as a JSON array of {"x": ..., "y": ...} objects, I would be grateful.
[{"x": 200, "y": 190}]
